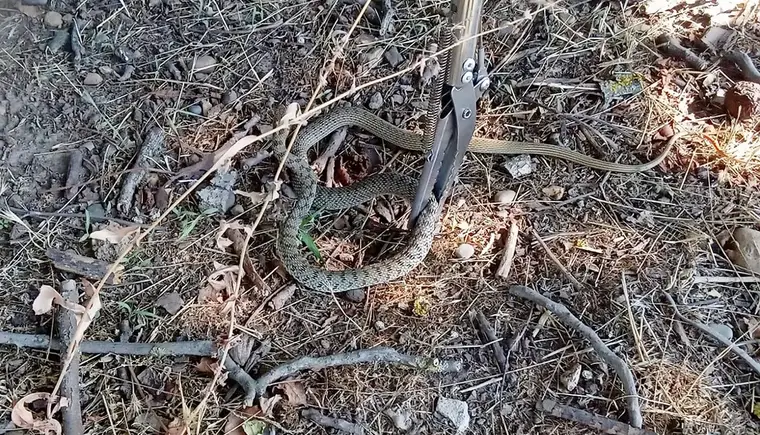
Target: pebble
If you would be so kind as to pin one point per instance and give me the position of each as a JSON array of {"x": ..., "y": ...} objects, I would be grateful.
[
  {"x": 195, "y": 109},
  {"x": 464, "y": 251},
  {"x": 355, "y": 295},
  {"x": 96, "y": 209},
  {"x": 379, "y": 325},
  {"x": 519, "y": 166},
  {"x": 393, "y": 57},
  {"x": 93, "y": 79},
  {"x": 376, "y": 101},
  {"x": 723, "y": 330},
  {"x": 53, "y": 19},
  {"x": 456, "y": 411},
  {"x": 229, "y": 97},
  {"x": 206, "y": 64},
  {"x": 171, "y": 302},
  {"x": 505, "y": 197}
]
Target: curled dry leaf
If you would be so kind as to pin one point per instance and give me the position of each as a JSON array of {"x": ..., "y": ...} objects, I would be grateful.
[
  {"x": 114, "y": 233},
  {"x": 23, "y": 418},
  {"x": 177, "y": 427},
  {"x": 222, "y": 242},
  {"x": 43, "y": 303},
  {"x": 281, "y": 298},
  {"x": 743, "y": 248},
  {"x": 554, "y": 192},
  {"x": 207, "y": 365},
  {"x": 294, "y": 392}
]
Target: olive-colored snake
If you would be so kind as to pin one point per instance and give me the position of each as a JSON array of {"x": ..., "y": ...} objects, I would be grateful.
[{"x": 311, "y": 197}]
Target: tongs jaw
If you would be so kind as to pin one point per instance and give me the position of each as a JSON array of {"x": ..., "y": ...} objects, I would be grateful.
[{"x": 455, "y": 124}]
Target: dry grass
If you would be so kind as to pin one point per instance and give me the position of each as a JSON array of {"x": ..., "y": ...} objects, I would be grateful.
[{"x": 653, "y": 227}]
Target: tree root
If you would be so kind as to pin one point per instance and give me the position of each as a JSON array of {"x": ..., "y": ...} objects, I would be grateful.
[
  {"x": 617, "y": 364},
  {"x": 595, "y": 421},
  {"x": 333, "y": 423}
]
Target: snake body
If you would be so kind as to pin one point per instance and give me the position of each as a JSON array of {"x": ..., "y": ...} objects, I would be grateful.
[{"x": 311, "y": 197}]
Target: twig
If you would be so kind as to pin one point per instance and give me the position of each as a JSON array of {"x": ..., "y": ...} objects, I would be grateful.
[
  {"x": 725, "y": 279},
  {"x": 152, "y": 147},
  {"x": 387, "y": 21},
  {"x": 40, "y": 341},
  {"x": 488, "y": 336},
  {"x": 46, "y": 214},
  {"x": 67, "y": 324},
  {"x": 246, "y": 382},
  {"x": 595, "y": 421},
  {"x": 621, "y": 369},
  {"x": 715, "y": 336},
  {"x": 509, "y": 252},
  {"x": 376, "y": 355},
  {"x": 333, "y": 423},
  {"x": 76, "y": 42},
  {"x": 88, "y": 267},
  {"x": 562, "y": 268},
  {"x": 336, "y": 140},
  {"x": 670, "y": 46}
]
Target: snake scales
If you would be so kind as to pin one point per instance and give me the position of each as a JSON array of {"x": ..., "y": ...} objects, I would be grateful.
[{"x": 311, "y": 197}]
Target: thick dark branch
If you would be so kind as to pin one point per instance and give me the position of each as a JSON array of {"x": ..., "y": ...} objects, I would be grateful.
[
  {"x": 617, "y": 364},
  {"x": 67, "y": 325},
  {"x": 376, "y": 355},
  {"x": 332, "y": 423},
  {"x": 489, "y": 337}
]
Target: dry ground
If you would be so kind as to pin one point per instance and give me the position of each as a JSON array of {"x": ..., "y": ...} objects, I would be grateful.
[{"x": 625, "y": 237}]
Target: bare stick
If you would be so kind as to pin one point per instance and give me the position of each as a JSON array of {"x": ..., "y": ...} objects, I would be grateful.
[
  {"x": 333, "y": 423},
  {"x": 67, "y": 324},
  {"x": 733, "y": 347},
  {"x": 88, "y": 267},
  {"x": 671, "y": 47},
  {"x": 173, "y": 348},
  {"x": 387, "y": 21},
  {"x": 152, "y": 147},
  {"x": 509, "y": 252},
  {"x": 336, "y": 140},
  {"x": 620, "y": 367},
  {"x": 576, "y": 284},
  {"x": 489, "y": 337},
  {"x": 726, "y": 279},
  {"x": 595, "y": 421},
  {"x": 74, "y": 174},
  {"x": 45, "y": 214},
  {"x": 376, "y": 355},
  {"x": 246, "y": 382}
]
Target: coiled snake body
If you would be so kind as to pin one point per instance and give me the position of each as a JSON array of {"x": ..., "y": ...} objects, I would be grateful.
[{"x": 310, "y": 196}]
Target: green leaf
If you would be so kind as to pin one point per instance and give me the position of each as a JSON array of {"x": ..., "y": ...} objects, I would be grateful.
[
  {"x": 254, "y": 427},
  {"x": 309, "y": 242},
  {"x": 125, "y": 306},
  {"x": 189, "y": 225}
]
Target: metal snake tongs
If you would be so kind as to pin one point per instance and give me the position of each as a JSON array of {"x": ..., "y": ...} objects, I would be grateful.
[{"x": 453, "y": 101}]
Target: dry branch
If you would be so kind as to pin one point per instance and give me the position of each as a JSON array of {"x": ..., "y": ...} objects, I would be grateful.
[
  {"x": 509, "y": 252},
  {"x": 715, "y": 336},
  {"x": 331, "y": 422},
  {"x": 39, "y": 341},
  {"x": 67, "y": 324},
  {"x": 74, "y": 174},
  {"x": 488, "y": 336},
  {"x": 152, "y": 147},
  {"x": 576, "y": 284},
  {"x": 376, "y": 355},
  {"x": 617, "y": 364},
  {"x": 745, "y": 65},
  {"x": 670, "y": 46},
  {"x": 88, "y": 267},
  {"x": 595, "y": 421}
]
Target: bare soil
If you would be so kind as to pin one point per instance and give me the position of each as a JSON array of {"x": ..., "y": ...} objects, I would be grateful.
[{"x": 626, "y": 238}]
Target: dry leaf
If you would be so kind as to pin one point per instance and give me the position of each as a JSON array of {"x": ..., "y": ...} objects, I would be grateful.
[
  {"x": 223, "y": 242},
  {"x": 554, "y": 192},
  {"x": 177, "y": 427},
  {"x": 236, "y": 419},
  {"x": 281, "y": 298},
  {"x": 743, "y": 248},
  {"x": 171, "y": 302},
  {"x": 267, "y": 404},
  {"x": 570, "y": 378},
  {"x": 114, "y": 233},
  {"x": 43, "y": 303},
  {"x": 23, "y": 418},
  {"x": 207, "y": 366},
  {"x": 294, "y": 392}
]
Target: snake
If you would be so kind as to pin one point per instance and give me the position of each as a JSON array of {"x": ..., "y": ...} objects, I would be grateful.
[{"x": 311, "y": 197}]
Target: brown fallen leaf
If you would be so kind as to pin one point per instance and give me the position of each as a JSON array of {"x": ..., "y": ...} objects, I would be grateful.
[
  {"x": 24, "y": 419},
  {"x": 43, "y": 303},
  {"x": 114, "y": 233},
  {"x": 267, "y": 404},
  {"x": 554, "y": 192},
  {"x": 177, "y": 427},
  {"x": 207, "y": 366},
  {"x": 294, "y": 392},
  {"x": 223, "y": 242},
  {"x": 237, "y": 419},
  {"x": 281, "y": 298}
]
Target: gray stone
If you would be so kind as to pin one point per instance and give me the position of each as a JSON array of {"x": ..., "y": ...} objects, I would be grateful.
[
  {"x": 229, "y": 97},
  {"x": 53, "y": 19},
  {"x": 171, "y": 302},
  {"x": 393, "y": 57},
  {"x": 206, "y": 64},
  {"x": 464, "y": 251},
  {"x": 195, "y": 109},
  {"x": 220, "y": 194},
  {"x": 504, "y": 197},
  {"x": 456, "y": 411},
  {"x": 96, "y": 210},
  {"x": 93, "y": 79},
  {"x": 519, "y": 166},
  {"x": 376, "y": 101},
  {"x": 355, "y": 295}
]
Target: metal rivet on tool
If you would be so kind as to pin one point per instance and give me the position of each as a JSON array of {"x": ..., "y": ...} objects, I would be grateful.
[
  {"x": 467, "y": 77},
  {"x": 466, "y": 113},
  {"x": 469, "y": 64}
]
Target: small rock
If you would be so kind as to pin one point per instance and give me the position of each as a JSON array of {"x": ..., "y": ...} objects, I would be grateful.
[
  {"x": 53, "y": 19},
  {"x": 171, "y": 302},
  {"x": 587, "y": 375},
  {"x": 96, "y": 209},
  {"x": 92, "y": 79},
  {"x": 554, "y": 192},
  {"x": 393, "y": 57},
  {"x": 29, "y": 11},
  {"x": 206, "y": 64},
  {"x": 355, "y": 295},
  {"x": 504, "y": 197},
  {"x": 724, "y": 330},
  {"x": 379, "y": 325},
  {"x": 60, "y": 38},
  {"x": 464, "y": 251},
  {"x": 456, "y": 411},
  {"x": 195, "y": 109},
  {"x": 376, "y": 101},
  {"x": 220, "y": 195},
  {"x": 519, "y": 166},
  {"x": 229, "y": 97},
  {"x": 401, "y": 418},
  {"x": 237, "y": 210}
]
